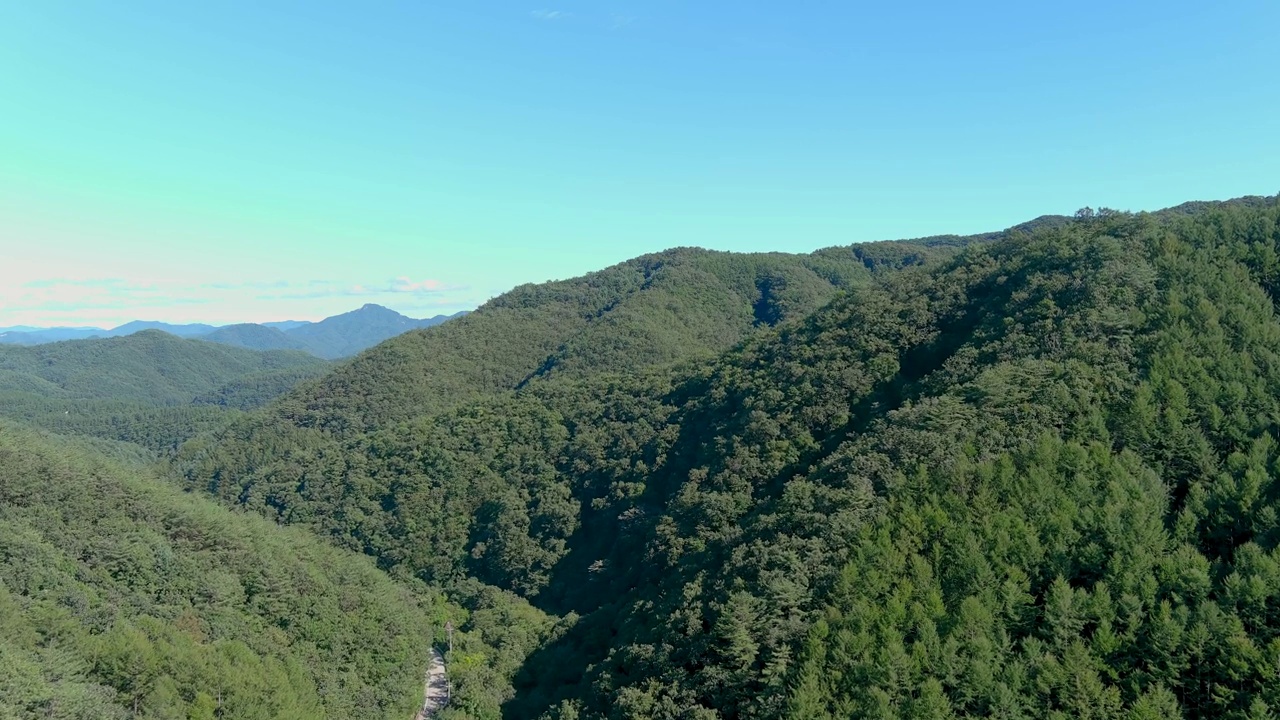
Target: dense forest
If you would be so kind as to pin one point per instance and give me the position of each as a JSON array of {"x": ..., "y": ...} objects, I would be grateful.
[
  {"x": 122, "y": 597},
  {"x": 1025, "y": 474}
]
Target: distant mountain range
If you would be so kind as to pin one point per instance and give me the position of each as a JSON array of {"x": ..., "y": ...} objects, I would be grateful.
[{"x": 332, "y": 338}]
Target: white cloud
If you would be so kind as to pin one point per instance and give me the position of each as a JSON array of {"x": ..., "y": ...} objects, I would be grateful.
[
  {"x": 113, "y": 301},
  {"x": 551, "y": 14},
  {"x": 334, "y": 288}
]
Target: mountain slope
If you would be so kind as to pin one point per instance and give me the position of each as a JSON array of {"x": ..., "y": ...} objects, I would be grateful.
[
  {"x": 1121, "y": 561},
  {"x": 1035, "y": 477},
  {"x": 950, "y": 489},
  {"x": 347, "y": 334},
  {"x": 255, "y": 390},
  {"x": 654, "y": 310},
  {"x": 674, "y": 307},
  {"x": 477, "y": 491},
  {"x": 157, "y": 428},
  {"x": 253, "y": 337}
]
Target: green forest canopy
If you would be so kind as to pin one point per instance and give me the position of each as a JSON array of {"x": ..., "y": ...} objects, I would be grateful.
[{"x": 122, "y": 597}]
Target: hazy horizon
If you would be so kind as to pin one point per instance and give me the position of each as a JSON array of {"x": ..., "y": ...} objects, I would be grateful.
[{"x": 264, "y": 321}]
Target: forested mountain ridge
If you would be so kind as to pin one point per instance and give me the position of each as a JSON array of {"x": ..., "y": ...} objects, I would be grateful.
[
  {"x": 333, "y": 338},
  {"x": 679, "y": 306},
  {"x": 1032, "y": 477},
  {"x": 27, "y": 335},
  {"x": 657, "y": 309},
  {"x": 189, "y": 330},
  {"x": 1120, "y": 561}
]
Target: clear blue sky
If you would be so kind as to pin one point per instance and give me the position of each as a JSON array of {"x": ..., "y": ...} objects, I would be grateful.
[{"x": 223, "y": 161}]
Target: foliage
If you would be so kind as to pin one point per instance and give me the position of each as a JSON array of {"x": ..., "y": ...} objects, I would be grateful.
[
  {"x": 515, "y": 446},
  {"x": 160, "y": 429},
  {"x": 122, "y": 597},
  {"x": 255, "y": 390}
]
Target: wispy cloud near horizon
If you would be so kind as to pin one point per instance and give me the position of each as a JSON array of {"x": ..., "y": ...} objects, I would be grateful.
[
  {"x": 107, "y": 302},
  {"x": 401, "y": 285}
]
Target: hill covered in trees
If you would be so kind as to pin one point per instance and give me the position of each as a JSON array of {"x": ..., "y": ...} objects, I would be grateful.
[
  {"x": 149, "y": 388},
  {"x": 252, "y": 336},
  {"x": 1025, "y": 474},
  {"x": 1029, "y": 475},
  {"x": 152, "y": 366},
  {"x": 680, "y": 305},
  {"x": 121, "y": 597}
]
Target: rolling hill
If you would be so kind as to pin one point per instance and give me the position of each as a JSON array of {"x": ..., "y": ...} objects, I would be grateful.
[
  {"x": 187, "y": 330},
  {"x": 149, "y": 366},
  {"x": 149, "y": 388},
  {"x": 252, "y": 336},
  {"x": 24, "y": 335}
]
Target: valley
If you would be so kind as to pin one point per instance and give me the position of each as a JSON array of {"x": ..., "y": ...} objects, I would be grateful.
[{"x": 1025, "y": 473}]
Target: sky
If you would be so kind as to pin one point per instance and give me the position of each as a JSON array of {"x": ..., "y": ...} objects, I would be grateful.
[{"x": 241, "y": 161}]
